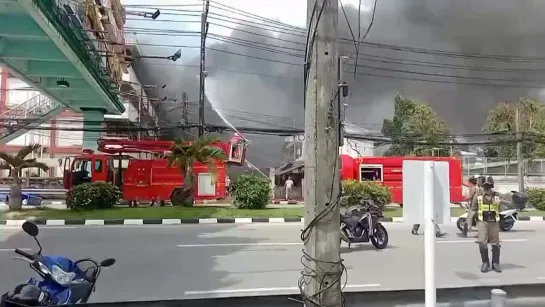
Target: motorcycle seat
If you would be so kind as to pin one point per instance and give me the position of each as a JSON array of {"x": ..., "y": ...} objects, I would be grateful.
[{"x": 350, "y": 219}]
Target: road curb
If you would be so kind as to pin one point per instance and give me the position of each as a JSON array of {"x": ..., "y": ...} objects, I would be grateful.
[{"x": 226, "y": 220}]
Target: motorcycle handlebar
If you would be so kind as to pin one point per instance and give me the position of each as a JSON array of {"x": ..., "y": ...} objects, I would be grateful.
[{"x": 24, "y": 254}]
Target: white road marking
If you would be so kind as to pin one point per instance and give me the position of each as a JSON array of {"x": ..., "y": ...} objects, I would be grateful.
[
  {"x": 243, "y": 220},
  {"x": 268, "y": 290},
  {"x": 540, "y": 278},
  {"x": 473, "y": 241},
  {"x": 133, "y": 222},
  {"x": 13, "y": 249},
  {"x": 208, "y": 221},
  {"x": 172, "y": 221},
  {"x": 240, "y": 244},
  {"x": 55, "y": 222},
  {"x": 94, "y": 222},
  {"x": 15, "y": 222}
]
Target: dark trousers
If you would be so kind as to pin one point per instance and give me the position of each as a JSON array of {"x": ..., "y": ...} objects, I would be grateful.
[{"x": 417, "y": 226}]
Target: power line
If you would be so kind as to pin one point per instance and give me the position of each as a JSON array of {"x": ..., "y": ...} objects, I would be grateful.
[
  {"x": 360, "y": 38},
  {"x": 439, "y": 75},
  {"x": 253, "y": 57},
  {"x": 444, "y": 53},
  {"x": 451, "y": 82}
]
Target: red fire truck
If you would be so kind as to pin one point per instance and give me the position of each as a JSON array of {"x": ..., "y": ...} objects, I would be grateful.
[
  {"x": 149, "y": 177},
  {"x": 389, "y": 171}
]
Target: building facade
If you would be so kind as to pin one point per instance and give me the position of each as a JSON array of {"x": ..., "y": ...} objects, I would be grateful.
[{"x": 62, "y": 133}]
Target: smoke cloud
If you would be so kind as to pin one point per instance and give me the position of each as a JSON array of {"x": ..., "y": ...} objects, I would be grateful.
[{"x": 252, "y": 92}]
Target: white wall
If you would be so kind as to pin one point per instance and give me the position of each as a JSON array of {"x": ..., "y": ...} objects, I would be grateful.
[
  {"x": 131, "y": 113},
  {"x": 70, "y": 138},
  {"x": 15, "y": 98},
  {"x": 357, "y": 148},
  {"x": 33, "y": 137}
]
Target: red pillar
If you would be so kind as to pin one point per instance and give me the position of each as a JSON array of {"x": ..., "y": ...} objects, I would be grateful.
[
  {"x": 3, "y": 90},
  {"x": 52, "y": 144}
]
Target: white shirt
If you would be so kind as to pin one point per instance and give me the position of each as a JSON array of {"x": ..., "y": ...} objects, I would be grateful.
[{"x": 289, "y": 184}]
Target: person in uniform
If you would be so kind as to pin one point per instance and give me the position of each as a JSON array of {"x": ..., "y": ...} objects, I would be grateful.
[
  {"x": 488, "y": 204},
  {"x": 438, "y": 232},
  {"x": 474, "y": 186}
]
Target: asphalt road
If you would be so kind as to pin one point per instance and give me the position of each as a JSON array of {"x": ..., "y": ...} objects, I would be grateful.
[{"x": 166, "y": 262}]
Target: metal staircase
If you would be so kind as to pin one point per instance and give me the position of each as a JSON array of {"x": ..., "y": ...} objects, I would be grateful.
[{"x": 26, "y": 116}]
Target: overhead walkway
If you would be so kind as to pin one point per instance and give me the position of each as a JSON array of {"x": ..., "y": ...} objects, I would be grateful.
[{"x": 46, "y": 44}]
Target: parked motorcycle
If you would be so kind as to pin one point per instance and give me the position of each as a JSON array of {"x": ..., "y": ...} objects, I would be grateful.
[
  {"x": 63, "y": 281},
  {"x": 507, "y": 217},
  {"x": 360, "y": 224}
]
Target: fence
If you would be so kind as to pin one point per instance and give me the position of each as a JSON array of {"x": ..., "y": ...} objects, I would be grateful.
[{"x": 502, "y": 167}]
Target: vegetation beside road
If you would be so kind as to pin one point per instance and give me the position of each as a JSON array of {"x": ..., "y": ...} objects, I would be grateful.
[
  {"x": 160, "y": 213},
  {"x": 188, "y": 213}
]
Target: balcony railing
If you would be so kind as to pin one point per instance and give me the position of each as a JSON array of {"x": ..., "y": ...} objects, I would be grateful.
[
  {"x": 36, "y": 106},
  {"x": 23, "y": 114}
]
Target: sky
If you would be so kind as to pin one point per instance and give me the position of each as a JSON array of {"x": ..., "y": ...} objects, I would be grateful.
[{"x": 251, "y": 90}]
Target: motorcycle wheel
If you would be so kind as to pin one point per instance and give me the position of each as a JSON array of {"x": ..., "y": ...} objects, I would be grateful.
[
  {"x": 380, "y": 237},
  {"x": 507, "y": 224},
  {"x": 460, "y": 223}
]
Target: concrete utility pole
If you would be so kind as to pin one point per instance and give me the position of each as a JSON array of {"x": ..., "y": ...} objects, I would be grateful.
[
  {"x": 520, "y": 158},
  {"x": 202, "y": 72},
  {"x": 185, "y": 112},
  {"x": 322, "y": 180},
  {"x": 140, "y": 101}
]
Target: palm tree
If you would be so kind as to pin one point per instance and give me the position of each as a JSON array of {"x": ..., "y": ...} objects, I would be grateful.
[
  {"x": 16, "y": 163},
  {"x": 185, "y": 154}
]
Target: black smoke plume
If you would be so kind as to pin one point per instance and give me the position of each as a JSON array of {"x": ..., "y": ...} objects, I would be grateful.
[{"x": 254, "y": 92}]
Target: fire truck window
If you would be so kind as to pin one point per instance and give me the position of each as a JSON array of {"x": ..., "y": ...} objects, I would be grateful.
[
  {"x": 98, "y": 166},
  {"x": 371, "y": 173}
]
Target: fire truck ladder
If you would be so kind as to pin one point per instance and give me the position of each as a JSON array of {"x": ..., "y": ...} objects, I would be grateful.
[{"x": 112, "y": 146}]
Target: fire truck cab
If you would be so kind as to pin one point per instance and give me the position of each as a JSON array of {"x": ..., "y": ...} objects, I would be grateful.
[{"x": 140, "y": 169}]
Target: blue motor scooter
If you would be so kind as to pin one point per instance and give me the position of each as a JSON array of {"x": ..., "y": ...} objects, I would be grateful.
[{"x": 63, "y": 281}]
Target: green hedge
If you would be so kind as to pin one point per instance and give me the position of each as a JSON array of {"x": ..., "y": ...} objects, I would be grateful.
[
  {"x": 252, "y": 192},
  {"x": 92, "y": 196},
  {"x": 354, "y": 191},
  {"x": 536, "y": 198}
]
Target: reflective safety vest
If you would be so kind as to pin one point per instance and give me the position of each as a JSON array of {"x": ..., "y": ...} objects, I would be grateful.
[{"x": 493, "y": 206}]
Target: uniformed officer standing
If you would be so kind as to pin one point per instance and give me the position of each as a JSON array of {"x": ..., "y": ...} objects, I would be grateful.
[
  {"x": 488, "y": 227},
  {"x": 475, "y": 187}
]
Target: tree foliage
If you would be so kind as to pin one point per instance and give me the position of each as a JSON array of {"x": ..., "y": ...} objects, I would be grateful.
[
  {"x": 93, "y": 196},
  {"x": 15, "y": 164},
  {"x": 252, "y": 192},
  {"x": 536, "y": 198},
  {"x": 501, "y": 120},
  {"x": 185, "y": 154},
  {"x": 415, "y": 122},
  {"x": 354, "y": 191}
]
